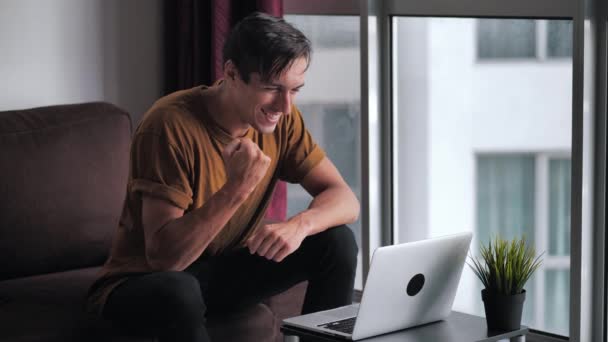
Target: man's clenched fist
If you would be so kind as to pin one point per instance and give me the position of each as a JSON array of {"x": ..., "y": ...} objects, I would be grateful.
[{"x": 245, "y": 165}]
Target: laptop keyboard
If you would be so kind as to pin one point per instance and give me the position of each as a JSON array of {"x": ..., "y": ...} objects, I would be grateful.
[{"x": 344, "y": 325}]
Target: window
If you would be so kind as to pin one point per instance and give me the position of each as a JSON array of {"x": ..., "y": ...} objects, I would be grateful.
[
  {"x": 330, "y": 103},
  {"x": 439, "y": 90},
  {"x": 514, "y": 38},
  {"x": 329, "y": 32},
  {"x": 559, "y": 38},
  {"x": 523, "y": 39},
  {"x": 530, "y": 194},
  {"x": 475, "y": 150}
]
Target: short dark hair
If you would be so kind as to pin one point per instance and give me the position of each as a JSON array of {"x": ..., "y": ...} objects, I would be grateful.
[{"x": 265, "y": 44}]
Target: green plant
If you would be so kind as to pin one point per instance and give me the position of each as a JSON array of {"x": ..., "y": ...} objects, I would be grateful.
[{"x": 505, "y": 266}]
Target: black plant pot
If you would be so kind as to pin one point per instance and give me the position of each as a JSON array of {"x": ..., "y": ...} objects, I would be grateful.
[{"x": 503, "y": 312}]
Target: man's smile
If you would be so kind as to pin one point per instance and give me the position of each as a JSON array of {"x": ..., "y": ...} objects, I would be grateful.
[{"x": 272, "y": 118}]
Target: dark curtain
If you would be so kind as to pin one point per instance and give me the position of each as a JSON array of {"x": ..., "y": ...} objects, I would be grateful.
[{"x": 195, "y": 31}]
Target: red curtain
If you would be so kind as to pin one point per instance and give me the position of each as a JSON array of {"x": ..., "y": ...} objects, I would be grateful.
[{"x": 194, "y": 36}]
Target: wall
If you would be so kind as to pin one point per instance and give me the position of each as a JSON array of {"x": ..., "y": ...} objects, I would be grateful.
[{"x": 68, "y": 51}]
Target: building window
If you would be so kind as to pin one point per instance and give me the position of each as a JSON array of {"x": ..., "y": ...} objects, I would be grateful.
[
  {"x": 514, "y": 38},
  {"x": 523, "y": 39},
  {"x": 559, "y": 38},
  {"x": 328, "y": 32},
  {"x": 530, "y": 194}
]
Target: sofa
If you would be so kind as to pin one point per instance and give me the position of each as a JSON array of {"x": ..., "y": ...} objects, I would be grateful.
[{"x": 63, "y": 172}]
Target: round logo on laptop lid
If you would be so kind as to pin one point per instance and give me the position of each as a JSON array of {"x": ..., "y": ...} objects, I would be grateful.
[{"x": 415, "y": 284}]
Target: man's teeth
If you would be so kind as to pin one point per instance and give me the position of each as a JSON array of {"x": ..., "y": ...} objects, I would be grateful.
[{"x": 270, "y": 115}]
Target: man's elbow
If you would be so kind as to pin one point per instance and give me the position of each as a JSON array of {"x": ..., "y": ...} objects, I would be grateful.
[
  {"x": 160, "y": 263},
  {"x": 356, "y": 209},
  {"x": 156, "y": 264}
]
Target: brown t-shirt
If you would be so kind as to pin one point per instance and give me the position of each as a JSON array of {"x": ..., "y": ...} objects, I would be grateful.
[{"x": 176, "y": 156}]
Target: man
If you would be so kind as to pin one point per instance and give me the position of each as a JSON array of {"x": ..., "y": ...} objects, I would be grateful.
[{"x": 204, "y": 161}]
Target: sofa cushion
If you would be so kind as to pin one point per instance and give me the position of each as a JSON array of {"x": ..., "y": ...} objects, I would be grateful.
[
  {"x": 64, "y": 171},
  {"x": 51, "y": 308}
]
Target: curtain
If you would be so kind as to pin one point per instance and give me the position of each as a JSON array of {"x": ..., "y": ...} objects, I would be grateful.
[
  {"x": 195, "y": 31},
  {"x": 194, "y": 35}
]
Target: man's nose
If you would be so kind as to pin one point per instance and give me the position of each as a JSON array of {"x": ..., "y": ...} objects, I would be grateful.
[{"x": 284, "y": 102}]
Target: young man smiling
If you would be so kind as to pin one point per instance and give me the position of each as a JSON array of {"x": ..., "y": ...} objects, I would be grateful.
[{"x": 191, "y": 239}]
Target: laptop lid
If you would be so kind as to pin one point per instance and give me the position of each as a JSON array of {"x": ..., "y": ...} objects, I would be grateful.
[{"x": 411, "y": 284}]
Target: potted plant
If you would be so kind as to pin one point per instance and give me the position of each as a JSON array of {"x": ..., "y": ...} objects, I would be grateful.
[{"x": 504, "y": 268}]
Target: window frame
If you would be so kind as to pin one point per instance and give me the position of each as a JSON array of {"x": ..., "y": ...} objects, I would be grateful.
[
  {"x": 588, "y": 319},
  {"x": 600, "y": 317}
]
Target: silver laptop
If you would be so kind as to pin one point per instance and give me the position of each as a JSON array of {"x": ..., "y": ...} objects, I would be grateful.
[{"x": 408, "y": 285}]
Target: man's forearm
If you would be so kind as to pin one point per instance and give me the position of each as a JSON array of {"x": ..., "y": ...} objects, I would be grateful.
[
  {"x": 332, "y": 207},
  {"x": 184, "y": 239}
]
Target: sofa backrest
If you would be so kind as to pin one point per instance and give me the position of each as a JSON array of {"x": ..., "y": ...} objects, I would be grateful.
[{"x": 63, "y": 172}]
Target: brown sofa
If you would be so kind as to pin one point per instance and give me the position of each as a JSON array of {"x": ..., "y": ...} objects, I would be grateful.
[{"x": 62, "y": 182}]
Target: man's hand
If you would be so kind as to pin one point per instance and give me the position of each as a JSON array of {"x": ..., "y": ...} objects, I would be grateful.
[
  {"x": 245, "y": 165},
  {"x": 275, "y": 241}
]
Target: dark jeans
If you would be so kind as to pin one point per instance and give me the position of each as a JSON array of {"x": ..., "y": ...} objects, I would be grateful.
[{"x": 173, "y": 305}]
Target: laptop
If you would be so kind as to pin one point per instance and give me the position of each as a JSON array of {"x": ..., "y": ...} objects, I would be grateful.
[{"x": 408, "y": 285}]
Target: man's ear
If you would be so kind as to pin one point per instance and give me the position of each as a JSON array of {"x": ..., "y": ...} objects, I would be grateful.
[{"x": 230, "y": 71}]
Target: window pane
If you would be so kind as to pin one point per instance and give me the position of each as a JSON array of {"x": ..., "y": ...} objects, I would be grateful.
[
  {"x": 559, "y": 38},
  {"x": 328, "y": 31},
  {"x": 506, "y": 204},
  {"x": 505, "y": 197},
  {"x": 506, "y": 38},
  {"x": 559, "y": 207},
  {"x": 470, "y": 146},
  {"x": 557, "y": 306},
  {"x": 330, "y": 102}
]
